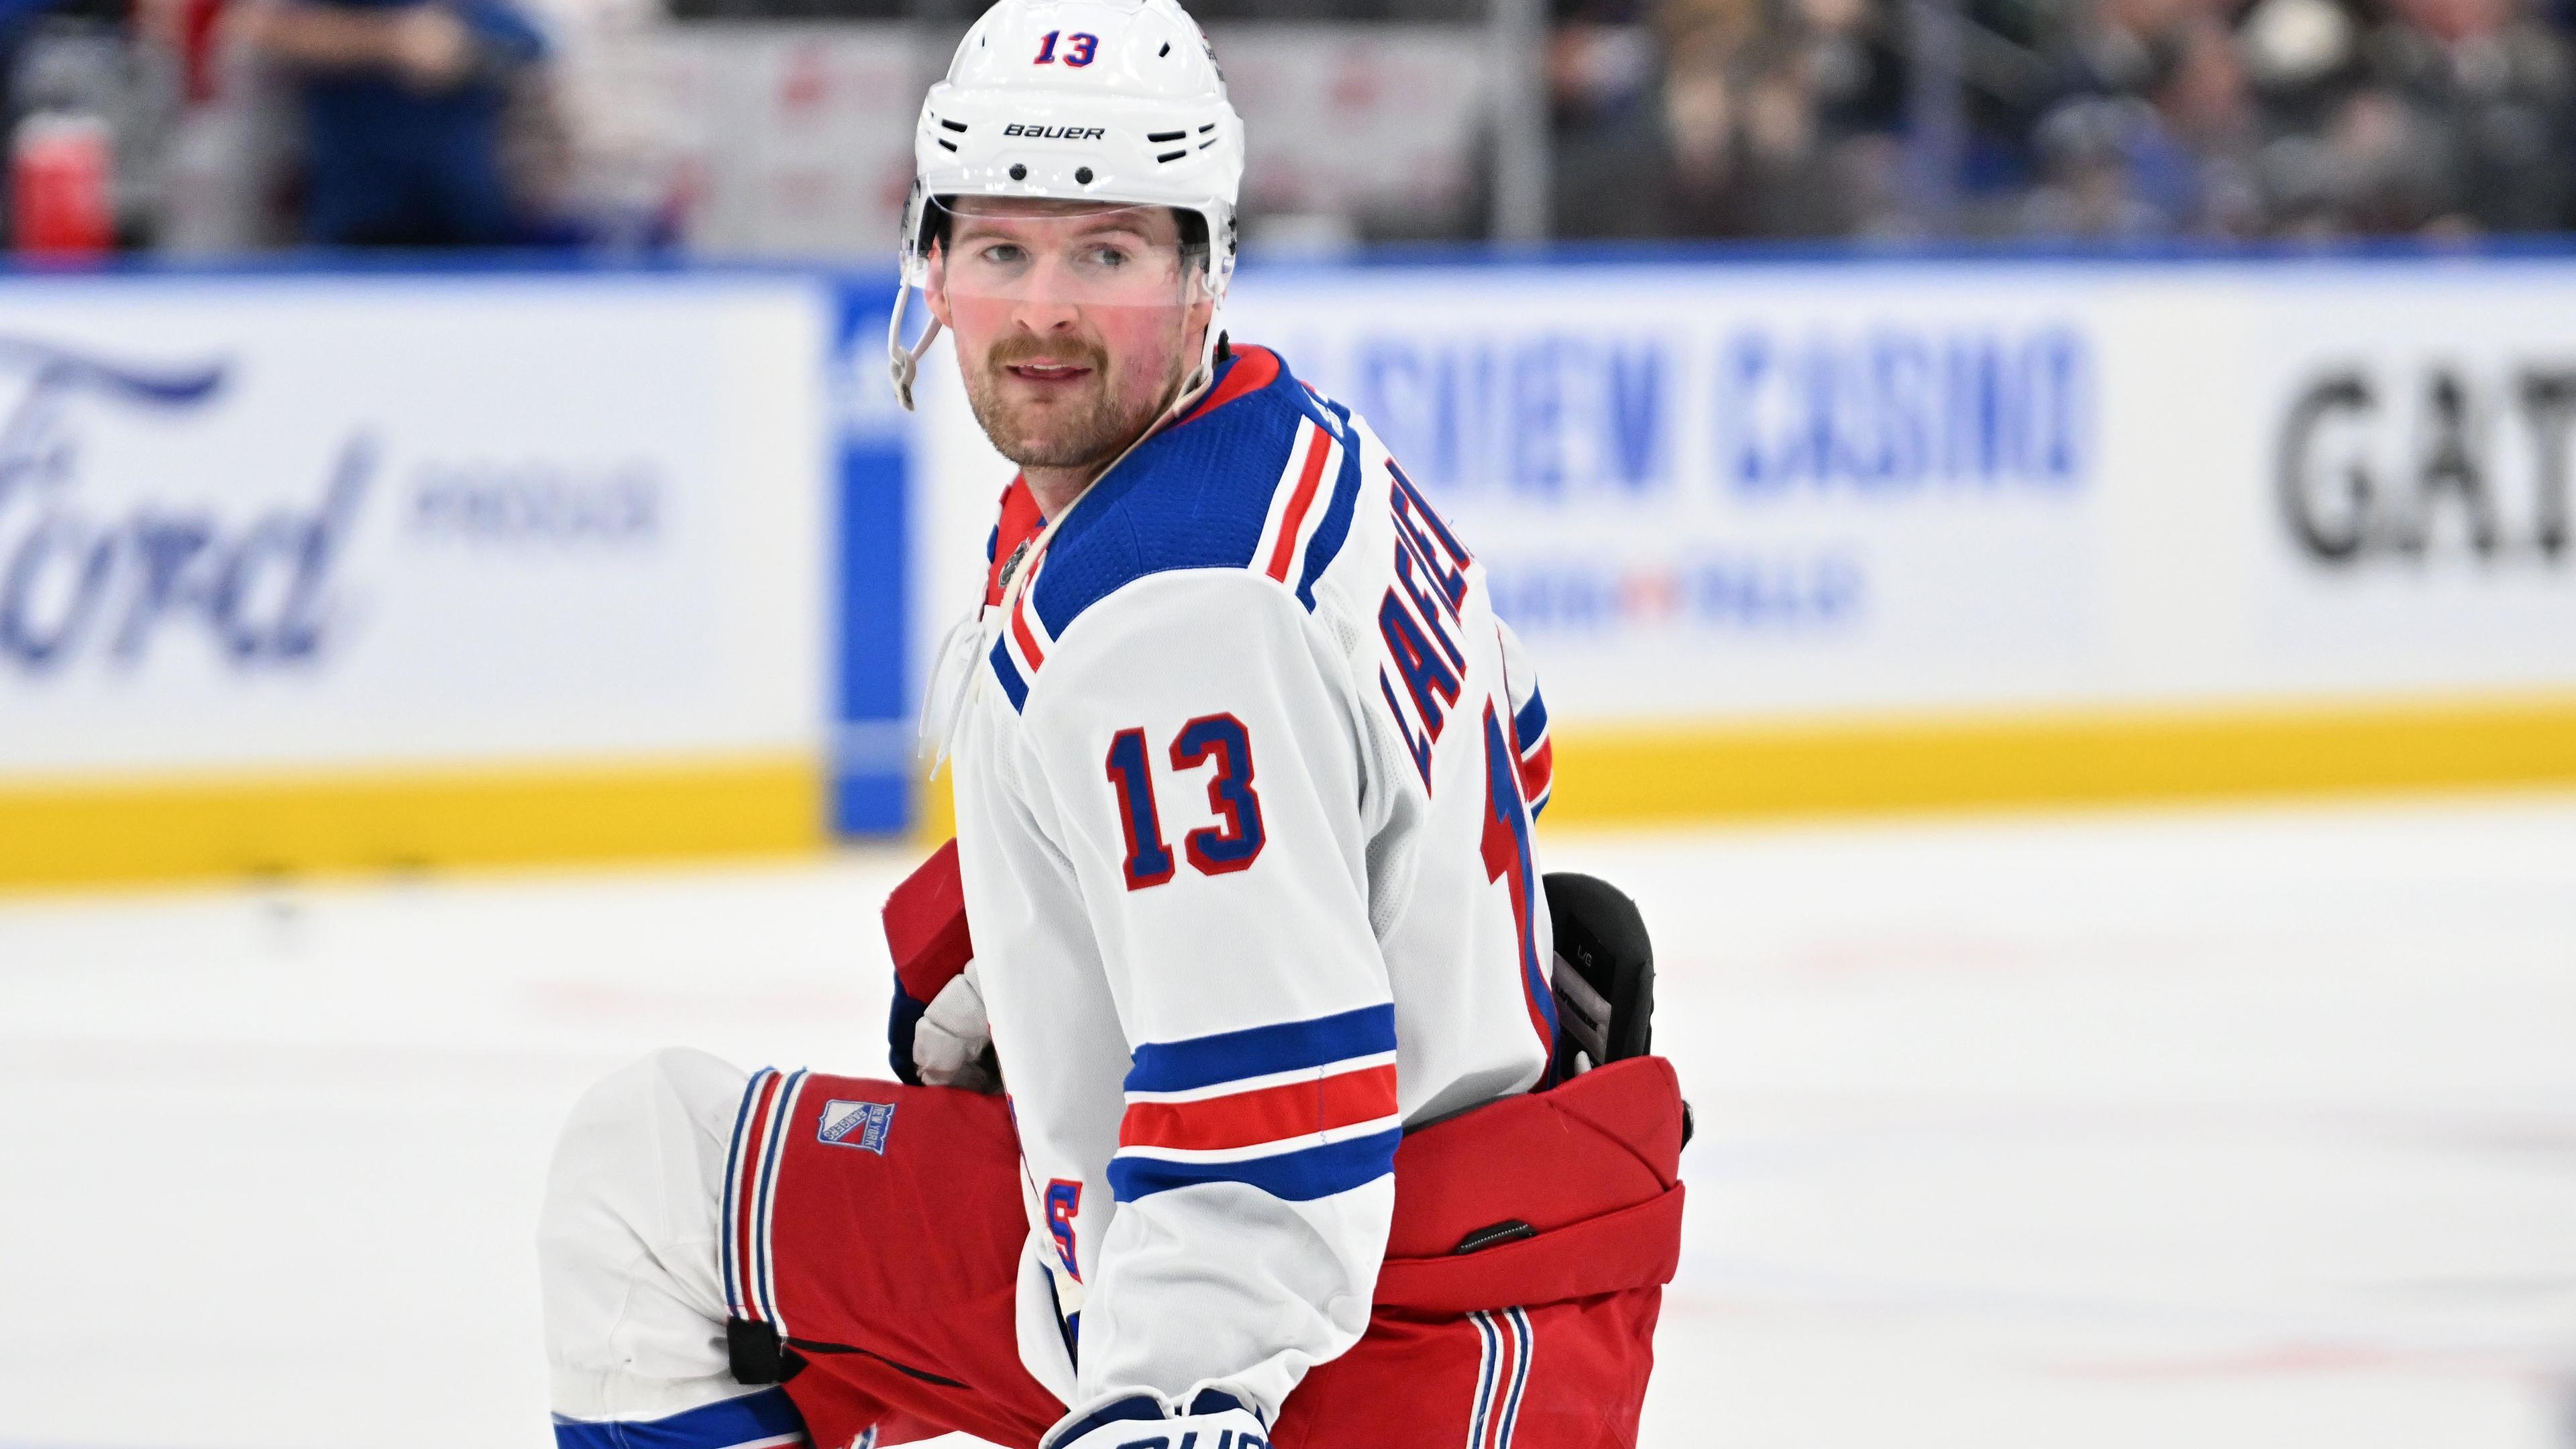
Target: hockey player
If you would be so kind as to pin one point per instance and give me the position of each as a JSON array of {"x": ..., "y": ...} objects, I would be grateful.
[{"x": 1244, "y": 913}]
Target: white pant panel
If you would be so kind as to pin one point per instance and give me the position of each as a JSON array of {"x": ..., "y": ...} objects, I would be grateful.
[
  {"x": 1039, "y": 1330},
  {"x": 627, "y": 1242}
]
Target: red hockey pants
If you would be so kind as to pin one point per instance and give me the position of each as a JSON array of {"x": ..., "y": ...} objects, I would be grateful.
[{"x": 895, "y": 1273}]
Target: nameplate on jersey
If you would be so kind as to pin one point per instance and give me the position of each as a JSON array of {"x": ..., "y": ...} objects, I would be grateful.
[{"x": 857, "y": 1124}]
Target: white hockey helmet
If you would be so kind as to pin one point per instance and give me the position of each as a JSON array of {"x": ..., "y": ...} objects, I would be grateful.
[{"x": 1115, "y": 101}]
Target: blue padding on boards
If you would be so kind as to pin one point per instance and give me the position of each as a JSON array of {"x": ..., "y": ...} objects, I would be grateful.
[
  {"x": 870, "y": 802},
  {"x": 871, "y": 791},
  {"x": 762, "y": 1418}
]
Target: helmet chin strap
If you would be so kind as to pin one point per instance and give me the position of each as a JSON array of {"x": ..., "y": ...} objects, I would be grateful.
[
  {"x": 1194, "y": 385},
  {"x": 904, "y": 363}
]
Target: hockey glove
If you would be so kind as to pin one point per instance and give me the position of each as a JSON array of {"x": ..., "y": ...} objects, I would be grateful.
[
  {"x": 1215, "y": 1420},
  {"x": 937, "y": 1034},
  {"x": 952, "y": 1043}
]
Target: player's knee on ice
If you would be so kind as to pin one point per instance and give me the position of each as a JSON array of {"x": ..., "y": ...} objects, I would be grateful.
[{"x": 627, "y": 1241}]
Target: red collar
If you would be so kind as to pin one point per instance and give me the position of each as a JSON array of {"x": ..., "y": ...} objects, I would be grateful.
[
  {"x": 1254, "y": 369},
  {"x": 1020, "y": 522}
]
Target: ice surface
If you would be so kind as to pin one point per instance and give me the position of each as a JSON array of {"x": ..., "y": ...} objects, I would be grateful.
[{"x": 2218, "y": 1129}]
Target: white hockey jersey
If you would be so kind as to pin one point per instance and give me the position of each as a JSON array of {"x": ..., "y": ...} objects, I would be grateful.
[{"x": 1244, "y": 778}]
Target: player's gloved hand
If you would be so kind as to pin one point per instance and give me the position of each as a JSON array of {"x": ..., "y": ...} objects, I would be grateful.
[
  {"x": 937, "y": 1034},
  {"x": 1210, "y": 1419},
  {"x": 952, "y": 1043}
]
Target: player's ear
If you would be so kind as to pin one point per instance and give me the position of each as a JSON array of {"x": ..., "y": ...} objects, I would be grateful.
[
  {"x": 1199, "y": 314},
  {"x": 934, "y": 288},
  {"x": 1202, "y": 317}
]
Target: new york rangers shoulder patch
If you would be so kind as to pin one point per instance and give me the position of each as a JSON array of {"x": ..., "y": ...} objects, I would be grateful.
[{"x": 857, "y": 1124}]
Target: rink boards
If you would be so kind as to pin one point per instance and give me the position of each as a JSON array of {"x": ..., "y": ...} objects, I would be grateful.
[
  {"x": 1798, "y": 537},
  {"x": 304, "y": 570}
]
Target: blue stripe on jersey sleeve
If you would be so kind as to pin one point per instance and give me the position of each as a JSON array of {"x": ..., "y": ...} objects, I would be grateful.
[
  {"x": 1009, "y": 673},
  {"x": 1334, "y": 530},
  {"x": 1300, "y": 1176},
  {"x": 747, "y": 1420},
  {"x": 1231, "y": 1056},
  {"x": 1531, "y": 721}
]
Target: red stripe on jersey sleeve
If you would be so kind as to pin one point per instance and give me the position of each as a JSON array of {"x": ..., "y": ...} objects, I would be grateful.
[
  {"x": 1298, "y": 503},
  {"x": 1270, "y": 1114},
  {"x": 1020, "y": 631},
  {"x": 1538, "y": 770}
]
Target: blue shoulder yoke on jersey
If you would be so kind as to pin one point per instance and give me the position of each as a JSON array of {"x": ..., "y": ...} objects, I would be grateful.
[{"x": 1197, "y": 494}]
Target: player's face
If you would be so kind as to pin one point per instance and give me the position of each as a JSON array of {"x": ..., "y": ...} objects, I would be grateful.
[{"x": 1074, "y": 322}]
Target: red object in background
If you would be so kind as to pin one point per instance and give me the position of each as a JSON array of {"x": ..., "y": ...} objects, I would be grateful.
[
  {"x": 197, "y": 47},
  {"x": 60, "y": 175}
]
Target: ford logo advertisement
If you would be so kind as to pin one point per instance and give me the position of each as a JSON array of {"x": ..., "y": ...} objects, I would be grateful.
[
  {"x": 416, "y": 542},
  {"x": 80, "y": 580}
]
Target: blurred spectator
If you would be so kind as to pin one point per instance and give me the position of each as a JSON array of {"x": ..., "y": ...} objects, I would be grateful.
[
  {"x": 2108, "y": 172},
  {"x": 1701, "y": 118},
  {"x": 246, "y": 123},
  {"x": 228, "y": 182},
  {"x": 2104, "y": 119},
  {"x": 1611, "y": 162},
  {"x": 2488, "y": 88},
  {"x": 1780, "y": 180},
  {"x": 2205, "y": 105},
  {"x": 1745, "y": 129},
  {"x": 404, "y": 108}
]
